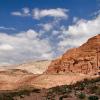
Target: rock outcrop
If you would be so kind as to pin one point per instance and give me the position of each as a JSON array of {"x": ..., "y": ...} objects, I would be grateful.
[{"x": 84, "y": 59}]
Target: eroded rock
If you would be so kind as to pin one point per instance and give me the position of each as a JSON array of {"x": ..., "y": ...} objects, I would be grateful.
[{"x": 84, "y": 59}]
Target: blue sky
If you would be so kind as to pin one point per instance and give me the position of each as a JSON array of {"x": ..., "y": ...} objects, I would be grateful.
[
  {"x": 78, "y": 8},
  {"x": 44, "y": 29}
]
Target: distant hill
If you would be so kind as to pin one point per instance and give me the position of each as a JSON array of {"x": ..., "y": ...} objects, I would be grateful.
[{"x": 35, "y": 67}]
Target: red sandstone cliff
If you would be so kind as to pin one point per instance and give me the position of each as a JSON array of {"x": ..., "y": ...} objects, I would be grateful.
[{"x": 84, "y": 59}]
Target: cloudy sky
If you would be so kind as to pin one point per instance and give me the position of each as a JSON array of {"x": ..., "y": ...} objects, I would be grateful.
[{"x": 45, "y": 29}]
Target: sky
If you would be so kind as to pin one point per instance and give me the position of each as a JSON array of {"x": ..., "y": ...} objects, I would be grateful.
[{"x": 45, "y": 29}]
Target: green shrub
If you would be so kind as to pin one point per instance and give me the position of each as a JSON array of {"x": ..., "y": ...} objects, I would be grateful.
[
  {"x": 93, "y": 97},
  {"x": 81, "y": 96}
]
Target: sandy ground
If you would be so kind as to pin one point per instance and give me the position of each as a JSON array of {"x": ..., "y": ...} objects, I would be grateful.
[
  {"x": 14, "y": 79},
  {"x": 48, "y": 81}
]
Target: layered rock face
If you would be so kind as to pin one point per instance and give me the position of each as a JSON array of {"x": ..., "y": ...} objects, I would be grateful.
[{"x": 84, "y": 59}]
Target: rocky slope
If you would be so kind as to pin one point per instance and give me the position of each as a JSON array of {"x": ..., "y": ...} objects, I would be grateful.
[
  {"x": 84, "y": 59},
  {"x": 35, "y": 67}
]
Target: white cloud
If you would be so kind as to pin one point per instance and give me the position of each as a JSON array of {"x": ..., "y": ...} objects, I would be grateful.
[
  {"x": 30, "y": 34},
  {"x": 46, "y": 55},
  {"x": 7, "y": 28},
  {"x": 78, "y": 33},
  {"x": 6, "y": 47},
  {"x": 47, "y": 26},
  {"x": 87, "y": 27},
  {"x": 40, "y": 13},
  {"x": 70, "y": 42},
  {"x": 23, "y": 12},
  {"x": 16, "y": 13},
  {"x": 58, "y": 13},
  {"x": 26, "y": 11},
  {"x": 23, "y": 46}
]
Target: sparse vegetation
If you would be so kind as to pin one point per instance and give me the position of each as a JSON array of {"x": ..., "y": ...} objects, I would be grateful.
[
  {"x": 80, "y": 89},
  {"x": 81, "y": 95},
  {"x": 9, "y": 95},
  {"x": 84, "y": 90}
]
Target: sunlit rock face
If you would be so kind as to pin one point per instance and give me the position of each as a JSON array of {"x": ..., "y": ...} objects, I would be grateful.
[{"x": 84, "y": 59}]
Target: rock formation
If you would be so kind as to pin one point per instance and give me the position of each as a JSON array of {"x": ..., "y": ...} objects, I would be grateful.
[{"x": 84, "y": 59}]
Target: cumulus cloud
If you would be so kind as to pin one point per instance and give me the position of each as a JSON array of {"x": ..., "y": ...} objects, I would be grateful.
[
  {"x": 23, "y": 12},
  {"x": 69, "y": 41},
  {"x": 85, "y": 27},
  {"x": 77, "y": 34},
  {"x": 23, "y": 46},
  {"x": 58, "y": 13}
]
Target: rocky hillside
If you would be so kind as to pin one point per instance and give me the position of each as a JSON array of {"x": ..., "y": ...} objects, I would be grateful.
[
  {"x": 83, "y": 90},
  {"x": 84, "y": 59},
  {"x": 35, "y": 67}
]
